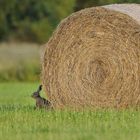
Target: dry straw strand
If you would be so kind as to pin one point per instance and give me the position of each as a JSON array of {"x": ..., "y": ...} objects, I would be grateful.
[{"x": 93, "y": 59}]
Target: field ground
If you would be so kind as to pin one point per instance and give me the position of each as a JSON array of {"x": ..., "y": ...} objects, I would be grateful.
[
  {"x": 20, "y": 61},
  {"x": 19, "y": 121}
]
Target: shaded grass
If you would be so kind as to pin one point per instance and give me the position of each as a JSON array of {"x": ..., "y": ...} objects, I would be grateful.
[{"x": 19, "y": 120}]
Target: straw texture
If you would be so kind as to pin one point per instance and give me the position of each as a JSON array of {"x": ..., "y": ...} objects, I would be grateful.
[{"x": 93, "y": 59}]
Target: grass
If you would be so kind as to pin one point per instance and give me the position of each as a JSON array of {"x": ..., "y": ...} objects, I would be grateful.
[
  {"x": 19, "y": 62},
  {"x": 19, "y": 120}
]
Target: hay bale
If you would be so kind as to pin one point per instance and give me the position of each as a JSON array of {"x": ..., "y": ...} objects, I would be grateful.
[{"x": 93, "y": 59}]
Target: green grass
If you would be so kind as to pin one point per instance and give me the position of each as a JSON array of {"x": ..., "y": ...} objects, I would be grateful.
[
  {"x": 19, "y": 62},
  {"x": 19, "y": 121}
]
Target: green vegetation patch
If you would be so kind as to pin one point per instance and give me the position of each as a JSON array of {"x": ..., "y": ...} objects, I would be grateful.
[
  {"x": 19, "y": 120},
  {"x": 20, "y": 62}
]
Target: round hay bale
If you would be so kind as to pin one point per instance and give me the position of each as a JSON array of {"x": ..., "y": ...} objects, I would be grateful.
[{"x": 93, "y": 59}]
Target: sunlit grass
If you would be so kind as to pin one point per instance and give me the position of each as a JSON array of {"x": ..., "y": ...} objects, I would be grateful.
[{"x": 19, "y": 120}]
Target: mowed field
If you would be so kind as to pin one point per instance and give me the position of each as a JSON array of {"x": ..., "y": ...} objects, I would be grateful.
[{"x": 19, "y": 120}]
